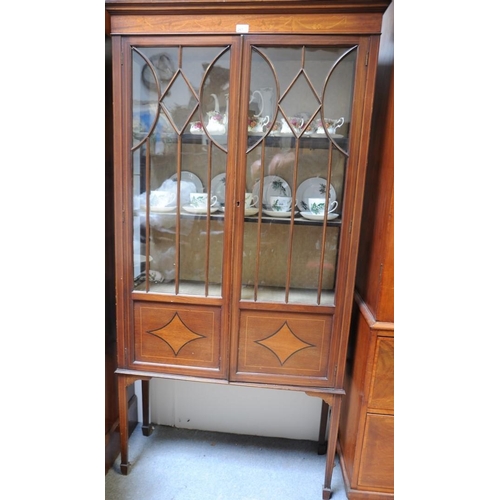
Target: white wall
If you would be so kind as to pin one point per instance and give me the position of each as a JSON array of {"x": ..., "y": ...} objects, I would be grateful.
[{"x": 233, "y": 409}]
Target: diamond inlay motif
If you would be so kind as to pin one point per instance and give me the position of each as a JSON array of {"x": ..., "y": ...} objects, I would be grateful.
[
  {"x": 176, "y": 334},
  {"x": 284, "y": 343}
]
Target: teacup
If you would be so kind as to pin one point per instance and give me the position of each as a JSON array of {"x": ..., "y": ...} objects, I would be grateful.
[
  {"x": 161, "y": 199},
  {"x": 281, "y": 203},
  {"x": 296, "y": 122},
  {"x": 251, "y": 200},
  {"x": 200, "y": 200},
  {"x": 317, "y": 205},
  {"x": 331, "y": 125},
  {"x": 257, "y": 123},
  {"x": 196, "y": 127}
]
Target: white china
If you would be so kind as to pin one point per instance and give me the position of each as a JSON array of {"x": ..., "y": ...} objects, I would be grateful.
[
  {"x": 190, "y": 177},
  {"x": 251, "y": 200},
  {"x": 314, "y": 187},
  {"x": 311, "y": 216},
  {"x": 274, "y": 213},
  {"x": 274, "y": 185},
  {"x": 196, "y": 128},
  {"x": 200, "y": 200},
  {"x": 317, "y": 205},
  {"x": 162, "y": 210},
  {"x": 331, "y": 124},
  {"x": 216, "y": 119},
  {"x": 218, "y": 187},
  {"x": 256, "y": 124},
  {"x": 162, "y": 199},
  {"x": 201, "y": 210},
  {"x": 281, "y": 203}
]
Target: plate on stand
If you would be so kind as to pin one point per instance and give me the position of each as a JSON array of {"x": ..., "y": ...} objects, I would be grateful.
[
  {"x": 314, "y": 187},
  {"x": 218, "y": 187},
  {"x": 190, "y": 177},
  {"x": 274, "y": 185}
]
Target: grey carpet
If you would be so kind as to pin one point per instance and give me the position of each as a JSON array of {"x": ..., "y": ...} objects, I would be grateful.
[{"x": 182, "y": 464}]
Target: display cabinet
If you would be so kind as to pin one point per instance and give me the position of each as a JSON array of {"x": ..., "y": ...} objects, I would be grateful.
[{"x": 241, "y": 138}]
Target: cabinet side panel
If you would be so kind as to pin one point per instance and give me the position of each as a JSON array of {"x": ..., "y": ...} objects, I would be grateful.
[
  {"x": 375, "y": 276},
  {"x": 377, "y": 457},
  {"x": 352, "y": 419}
]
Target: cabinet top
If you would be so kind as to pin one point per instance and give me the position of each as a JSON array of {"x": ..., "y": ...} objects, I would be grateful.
[{"x": 122, "y": 6}]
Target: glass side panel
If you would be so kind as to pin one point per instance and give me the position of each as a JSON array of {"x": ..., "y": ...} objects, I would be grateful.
[
  {"x": 179, "y": 161},
  {"x": 297, "y": 155}
]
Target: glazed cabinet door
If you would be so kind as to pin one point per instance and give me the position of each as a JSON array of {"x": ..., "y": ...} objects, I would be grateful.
[
  {"x": 296, "y": 186},
  {"x": 175, "y": 233}
]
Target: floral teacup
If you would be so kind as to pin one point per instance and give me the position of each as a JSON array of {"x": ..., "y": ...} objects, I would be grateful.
[
  {"x": 331, "y": 125},
  {"x": 257, "y": 123}
]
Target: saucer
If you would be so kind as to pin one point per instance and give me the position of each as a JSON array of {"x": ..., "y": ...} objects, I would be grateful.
[
  {"x": 162, "y": 210},
  {"x": 311, "y": 216},
  {"x": 276, "y": 213},
  {"x": 198, "y": 210}
]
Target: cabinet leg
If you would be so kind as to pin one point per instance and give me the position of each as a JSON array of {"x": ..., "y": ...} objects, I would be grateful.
[
  {"x": 123, "y": 383},
  {"x": 147, "y": 427},
  {"x": 322, "y": 442},
  {"x": 332, "y": 445}
]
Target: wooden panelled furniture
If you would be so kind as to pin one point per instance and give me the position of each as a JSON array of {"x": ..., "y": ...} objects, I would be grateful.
[
  {"x": 246, "y": 103},
  {"x": 366, "y": 433}
]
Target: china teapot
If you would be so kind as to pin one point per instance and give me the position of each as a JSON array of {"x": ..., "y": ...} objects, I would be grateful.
[{"x": 216, "y": 119}]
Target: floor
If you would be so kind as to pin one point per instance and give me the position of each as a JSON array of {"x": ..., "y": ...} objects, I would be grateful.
[{"x": 182, "y": 464}]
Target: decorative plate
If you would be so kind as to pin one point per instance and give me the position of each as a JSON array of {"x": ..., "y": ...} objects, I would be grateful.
[
  {"x": 190, "y": 177},
  {"x": 218, "y": 187},
  {"x": 273, "y": 186},
  {"x": 315, "y": 187}
]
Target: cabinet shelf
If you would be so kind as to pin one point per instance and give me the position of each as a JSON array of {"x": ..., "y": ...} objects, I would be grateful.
[
  {"x": 308, "y": 142},
  {"x": 252, "y": 218}
]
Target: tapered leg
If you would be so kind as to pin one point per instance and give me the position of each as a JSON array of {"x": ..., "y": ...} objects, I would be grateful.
[
  {"x": 147, "y": 427},
  {"x": 123, "y": 419},
  {"x": 322, "y": 442},
  {"x": 332, "y": 445}
]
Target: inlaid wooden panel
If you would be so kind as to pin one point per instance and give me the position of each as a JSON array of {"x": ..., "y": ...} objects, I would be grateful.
[
  {"x": 376, "y": 468},
  {"x": 183, "y": 336},
  {"x": 381, "y": 395},
  {"x": 315, "y": 23},
  {"x": 284, "y": 343}
]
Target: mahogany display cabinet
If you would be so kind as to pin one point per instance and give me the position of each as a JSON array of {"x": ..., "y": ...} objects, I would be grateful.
[{"x": 234, "y": 123}]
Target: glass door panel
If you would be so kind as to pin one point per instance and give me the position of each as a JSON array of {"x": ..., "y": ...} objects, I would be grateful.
[
  {"x": 297, "y": 153},
  {"x": 179, "y": 162}
]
